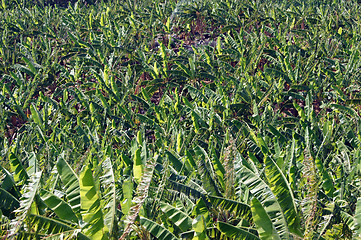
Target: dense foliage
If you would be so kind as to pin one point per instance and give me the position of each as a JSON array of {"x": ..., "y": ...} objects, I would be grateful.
[{"x": 191, "y": 119}]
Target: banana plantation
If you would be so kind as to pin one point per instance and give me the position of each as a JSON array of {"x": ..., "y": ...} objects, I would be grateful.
[{"x": 180, "y": 119}]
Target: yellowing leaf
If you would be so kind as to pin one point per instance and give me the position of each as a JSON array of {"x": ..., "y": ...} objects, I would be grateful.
[
  {"x": 339, "y": 31},
  {"x": 137, "y": 166},
  {"x": 90, "y": 204}
]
